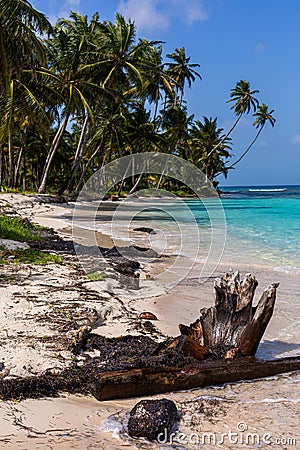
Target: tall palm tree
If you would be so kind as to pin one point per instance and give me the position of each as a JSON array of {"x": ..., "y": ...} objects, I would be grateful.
[
  {"x": 244, "y": 100},
  {"x": 175, "y": 124},
  {"x": 205, "y": 136},
  {"x": 20, "y": 48},
  {"x": 157, "y": 79},
  {"x": 117, "y": 57},
  {"x": 262, "y": 117},
  {"x": 74, "y": 90},
  {"x": 182, "y": 71},
  {"x": 19, "y": 23}
]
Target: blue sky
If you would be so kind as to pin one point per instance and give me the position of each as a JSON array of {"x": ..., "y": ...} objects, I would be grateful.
[{"x": 254, "y": 40}]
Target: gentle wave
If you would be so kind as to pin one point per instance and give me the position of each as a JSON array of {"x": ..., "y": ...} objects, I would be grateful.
[
  {"x": 268, "y": 190},
  {"x": 287, "y": 269}
]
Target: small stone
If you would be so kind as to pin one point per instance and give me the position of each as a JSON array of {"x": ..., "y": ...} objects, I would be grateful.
[
  {"x": 148, "y": 316},
  {"x": 152, "y": 419}
]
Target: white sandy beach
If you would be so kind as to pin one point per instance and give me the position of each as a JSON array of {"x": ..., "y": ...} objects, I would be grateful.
[{"x": 40, "y": 293}]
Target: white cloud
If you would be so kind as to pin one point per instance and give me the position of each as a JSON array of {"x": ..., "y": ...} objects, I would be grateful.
[
  {"x": 62, "y": 9},
  {"x": 159, "y": 14},
  {"x": 296, "y": 139},
  {"x": 191, "y": 11},
  {"x": 146, "y": 13}
]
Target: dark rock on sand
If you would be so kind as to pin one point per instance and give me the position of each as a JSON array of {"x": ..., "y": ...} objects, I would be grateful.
[
  {"x": 145, "y": 230},
  {"x": 152, "y": 419}
]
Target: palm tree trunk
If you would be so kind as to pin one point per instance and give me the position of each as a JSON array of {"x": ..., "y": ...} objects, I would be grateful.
[
  {"x": 21, "y": 152},
  {"x": 51, "y": 154},
  {"x": 247, "y": 149},
  {"x": 226, "y": 136},
  {"x": 1, "y": 164},
  {"x": 85, "y": 169},
  {"x": 81, "y": 148},
  {"x": 11, "y": 166},
  {"x": 134, "y": 187},
  {"x": 24, "y": 171},
  {"x": 124, "y": 177},
  {"x": 162, "y": 174}
]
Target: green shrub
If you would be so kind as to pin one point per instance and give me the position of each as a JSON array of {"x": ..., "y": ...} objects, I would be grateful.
[
  {"x": 18, "y": 229},
  {"x": 28, "y": 256}
]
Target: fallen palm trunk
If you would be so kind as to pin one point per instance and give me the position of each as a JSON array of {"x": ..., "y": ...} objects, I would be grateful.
[
  {"x": 134, "y": 382},
  {"x": 141, "y": 382}
]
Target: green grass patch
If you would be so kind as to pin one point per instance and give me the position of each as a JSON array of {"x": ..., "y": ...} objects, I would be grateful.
[
  {"x": 18, "y": 230},
  {"x": 28, "y": 256},
  {"x": 96, "y": 276}
]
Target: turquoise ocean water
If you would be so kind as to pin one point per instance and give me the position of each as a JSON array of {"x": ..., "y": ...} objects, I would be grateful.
[
  {"x": 262, "y": 222},
  {"x": 267, "y": 218}
]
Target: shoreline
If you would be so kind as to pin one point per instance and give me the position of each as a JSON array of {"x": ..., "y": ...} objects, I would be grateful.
[{"x": 79, "y": 419}]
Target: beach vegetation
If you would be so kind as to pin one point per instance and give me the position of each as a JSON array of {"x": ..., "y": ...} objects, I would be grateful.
[
  {"x": 28, "y": 256},
  {"x": 96, "y": 276},
  {"x": 18, "y": 229},
  {"x": 77, "y": 95}
]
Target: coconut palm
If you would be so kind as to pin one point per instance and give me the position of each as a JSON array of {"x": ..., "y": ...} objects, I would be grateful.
[
  {"x": 175, "y": 125},
  {"x": 19, "y": 23},
  {"x": 182, "y": 71},
  {"x": 244, "y": 100},
  {"x": 72, "y": 87},
  {"x": 262, "y": 117},
  {"x": 157, "y": 79},
  {"x": 117, "y": 57},
  {"x": 205, "y": 136},
  {"x": 20, "y": 48}
]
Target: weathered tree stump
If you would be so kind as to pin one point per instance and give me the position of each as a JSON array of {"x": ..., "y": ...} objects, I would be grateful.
[{"x": 233, "y": 323}]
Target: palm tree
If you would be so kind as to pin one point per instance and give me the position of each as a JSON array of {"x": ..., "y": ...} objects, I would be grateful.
[
  {"x": 20, "y": 48},
  {"x": 244, "y": 100},
  {"x": 19, "y": 23},
  {"x": 262, "y": 117},
  {"x": 175, "y": 124},
  {"x": 108, "y": 141},
  {"x": 156, "y": 78},
  {"x": 114, "y": 63},
  {"x": 182, "y": 71},
  {"x": 72, "y": 87},
  {"x": 205, "y": 136},
  {"x": 117, "y": 57}
]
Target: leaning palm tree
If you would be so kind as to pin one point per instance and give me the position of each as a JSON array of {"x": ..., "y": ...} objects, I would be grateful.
[
  {"x": 262, "y": 117},
  {"x": 182, "y": 71},
  {"x": 73, "y": 89},
  {"x": 244, "y": 100}
]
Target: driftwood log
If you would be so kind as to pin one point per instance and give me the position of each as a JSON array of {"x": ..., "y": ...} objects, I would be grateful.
[{"x": 140, "y": 382}]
